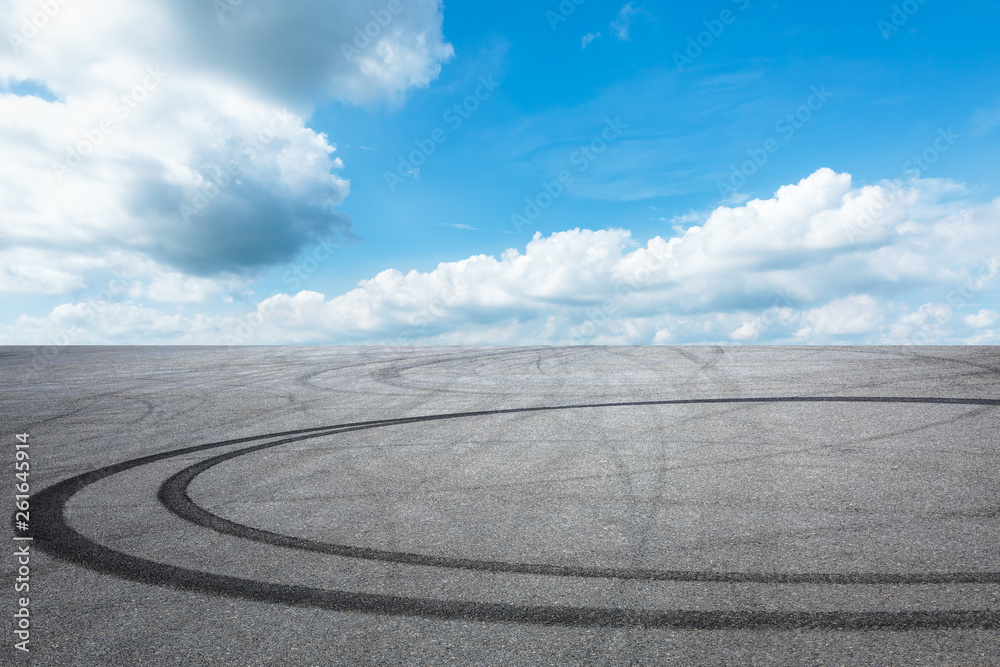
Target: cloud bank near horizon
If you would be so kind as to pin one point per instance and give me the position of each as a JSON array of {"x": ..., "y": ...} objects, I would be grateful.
[{"x": 822, "y": 261}]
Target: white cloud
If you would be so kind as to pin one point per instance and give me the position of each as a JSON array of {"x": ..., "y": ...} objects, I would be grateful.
[
  {"x": 932, "y": 322},
  {"x": 807, "y": 265},
  {"x": 619, "y": 27},
  {"x": 855, "y": 314},
  {"x": 588, "y": 38},
  {"x": 748, "y": 331},
  {"x": 105, "y": 322},
  {"x": 301, "y": 51},
  {"x": 173, "y": 134},
  {"x": 984, "y": 318}
]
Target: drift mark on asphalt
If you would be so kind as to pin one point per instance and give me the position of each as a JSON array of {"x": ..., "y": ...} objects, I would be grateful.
[{"x": 55, "y": 536}]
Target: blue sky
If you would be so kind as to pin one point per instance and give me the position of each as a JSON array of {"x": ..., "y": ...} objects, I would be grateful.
[{"x": 644, "y": 172}]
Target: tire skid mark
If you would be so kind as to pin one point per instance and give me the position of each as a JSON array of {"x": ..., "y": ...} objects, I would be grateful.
[{"x": 55, "y": 536}]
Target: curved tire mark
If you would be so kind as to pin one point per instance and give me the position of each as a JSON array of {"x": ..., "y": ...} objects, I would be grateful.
[{"x": 59, "y": 539}]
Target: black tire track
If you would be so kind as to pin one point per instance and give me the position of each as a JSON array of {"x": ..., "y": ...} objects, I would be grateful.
[{"x": 58, "y": 538}]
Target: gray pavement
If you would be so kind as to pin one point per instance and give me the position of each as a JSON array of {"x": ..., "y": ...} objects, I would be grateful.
[{"x": 467, "y": 506}]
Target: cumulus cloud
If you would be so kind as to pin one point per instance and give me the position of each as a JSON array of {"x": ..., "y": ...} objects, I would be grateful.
[
  {"x": 984, "y": 318},
  {"x": 173, "y": 135},
  {"x": 821, "y": 261},
  {"x": 855, "y": 314},
  {"x": 299, "y": 51}
]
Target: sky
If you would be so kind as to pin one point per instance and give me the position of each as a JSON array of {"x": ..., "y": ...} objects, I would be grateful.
[{"x": 577, "y": 172}]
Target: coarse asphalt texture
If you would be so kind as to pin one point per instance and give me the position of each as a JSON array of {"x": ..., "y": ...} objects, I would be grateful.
[{"x": 507, "y": 505}]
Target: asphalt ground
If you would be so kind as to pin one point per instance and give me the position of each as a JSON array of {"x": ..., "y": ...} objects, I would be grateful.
[{"x": 589, "y": 505}]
